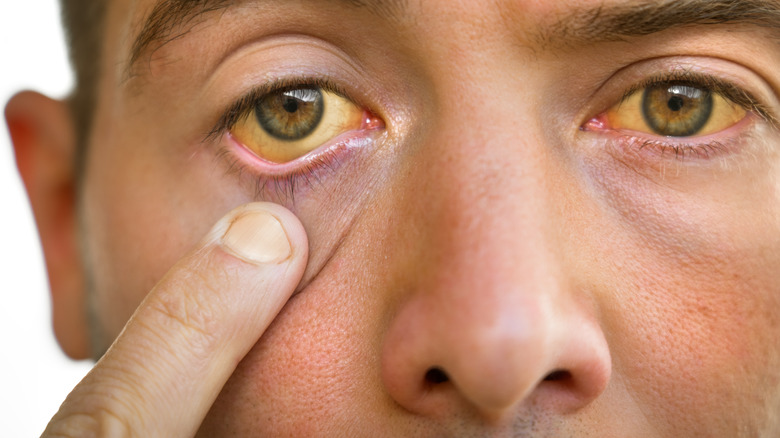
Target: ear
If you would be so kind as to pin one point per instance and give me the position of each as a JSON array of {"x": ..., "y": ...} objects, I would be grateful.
[{"x": 44, "y": 143}]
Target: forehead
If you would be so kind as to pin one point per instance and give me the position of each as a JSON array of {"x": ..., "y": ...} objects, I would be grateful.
[
  {"x": 151, "y": 21},
  {"x": 148, "y": 24}
]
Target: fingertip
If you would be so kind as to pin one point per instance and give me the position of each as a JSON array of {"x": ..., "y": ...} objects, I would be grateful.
[{"x": 262, "y": 233}]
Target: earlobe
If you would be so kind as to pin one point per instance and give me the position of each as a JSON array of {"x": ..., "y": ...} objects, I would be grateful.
[{"x": 44, "y": 145}]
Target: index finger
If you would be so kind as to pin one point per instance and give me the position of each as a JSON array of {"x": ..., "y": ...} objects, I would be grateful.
[{"x": 166, "y": 368}]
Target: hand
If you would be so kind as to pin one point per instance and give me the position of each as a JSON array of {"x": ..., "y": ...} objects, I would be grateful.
[{"x": 166, "y": 368}]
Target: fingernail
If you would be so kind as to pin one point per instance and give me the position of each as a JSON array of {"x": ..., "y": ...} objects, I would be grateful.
[{"x": 258, "y": 237}]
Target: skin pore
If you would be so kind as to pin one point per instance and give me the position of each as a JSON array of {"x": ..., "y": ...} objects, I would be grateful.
[{"x": 489, "y": 255}]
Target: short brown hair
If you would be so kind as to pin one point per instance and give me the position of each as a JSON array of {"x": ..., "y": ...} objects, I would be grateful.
[{"x": 84, "y": 22}]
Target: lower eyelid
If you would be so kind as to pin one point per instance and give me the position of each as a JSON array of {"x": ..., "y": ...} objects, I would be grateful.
[
  {"x": 647, "y": 149},
  {"x": 678, "y": 151},
  {"x": 637, "y": 145},
  {"x": 290, "y": 179},
  {"x": 348, "y": 139},
  {"x": 345, "y": 141}
]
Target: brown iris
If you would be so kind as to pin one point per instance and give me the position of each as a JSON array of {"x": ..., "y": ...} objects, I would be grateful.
[
  {"x": 290, "y": 115},
  {"x": 676, "y": 110}
]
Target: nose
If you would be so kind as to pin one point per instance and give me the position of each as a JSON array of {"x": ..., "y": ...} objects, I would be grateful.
[
  {"x": 491, "y": 318},
  {"x": 445, "y": 356}
]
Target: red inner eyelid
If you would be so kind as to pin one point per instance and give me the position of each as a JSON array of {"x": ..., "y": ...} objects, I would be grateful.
[{"x": 342, "y": 143}]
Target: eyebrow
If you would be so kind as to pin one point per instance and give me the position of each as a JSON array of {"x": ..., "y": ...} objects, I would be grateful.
[
  {"x": 641, "y": 18},
  {"x": 168, "y": 16},
  {"x": 590, "y": 24}
]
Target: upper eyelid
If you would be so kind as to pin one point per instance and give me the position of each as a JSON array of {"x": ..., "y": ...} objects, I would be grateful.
[
  {"x": 725, "y": 88},
  {"x": 728, "y": 75},
  {"x": 274, "y": 61}
]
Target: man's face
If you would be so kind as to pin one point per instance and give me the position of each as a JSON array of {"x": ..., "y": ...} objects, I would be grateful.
[{"x": 553, "y": 217}]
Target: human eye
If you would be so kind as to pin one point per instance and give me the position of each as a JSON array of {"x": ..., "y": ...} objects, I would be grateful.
[
  {"x": 288, "y": 120},
  {"x": 687, "y": 114},
  {"x": 676, "y": 109}
]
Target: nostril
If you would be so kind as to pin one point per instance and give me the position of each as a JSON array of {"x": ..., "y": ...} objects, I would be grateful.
[
  {"x": 436, "y": 376},
  {"x": 557, "y": 376}
]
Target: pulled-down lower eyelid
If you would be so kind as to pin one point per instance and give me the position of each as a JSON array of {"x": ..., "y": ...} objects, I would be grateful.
[
  {"x": 285, "y": 181},
  {"x": 287, "y": 129}
]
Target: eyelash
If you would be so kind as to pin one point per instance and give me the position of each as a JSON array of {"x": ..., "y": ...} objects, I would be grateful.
[
  {"x": 285, "y": 185},
  {"x": 247, "y": 102},
  {"x": 727, "y": 89},
  {"x": 308, "y": 172},
  {"x": 685, "y": 149}
]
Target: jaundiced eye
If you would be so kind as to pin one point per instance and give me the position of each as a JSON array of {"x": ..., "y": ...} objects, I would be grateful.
[
  {"x": 675, "y": 110},
  {"x": 287, "y": 124}
]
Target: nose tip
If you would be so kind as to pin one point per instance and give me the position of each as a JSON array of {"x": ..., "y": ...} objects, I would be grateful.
[
  {"x": 490, "y": 371},
  {"x": 493, "y": 369}
]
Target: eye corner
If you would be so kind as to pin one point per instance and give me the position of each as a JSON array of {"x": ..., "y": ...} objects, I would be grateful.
[
  {"x": 597, "y": 123},
  {"x": 372, "y": 122}
]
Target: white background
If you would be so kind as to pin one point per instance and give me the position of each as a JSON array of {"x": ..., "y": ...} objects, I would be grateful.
[{"x": 35, "y": 376}]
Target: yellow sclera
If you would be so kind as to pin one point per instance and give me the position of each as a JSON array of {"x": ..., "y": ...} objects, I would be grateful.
[
  {"x": 339, "y": 115},
  {"x": 629, "y": 115}
]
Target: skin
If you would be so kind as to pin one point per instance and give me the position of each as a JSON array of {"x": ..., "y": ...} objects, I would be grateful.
[{"x": 567, "y": 283}]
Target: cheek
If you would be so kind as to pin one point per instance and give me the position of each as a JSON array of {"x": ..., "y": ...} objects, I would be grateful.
[
  {"x": 143, "y": 209},
  {"x": 314, "y": 369},
  {"x": 693, "y": 295},
  {"x": 691, "y": 341}
]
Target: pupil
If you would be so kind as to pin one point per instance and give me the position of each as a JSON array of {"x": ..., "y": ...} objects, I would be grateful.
[
  {"x": 676, "y": 103},
  {"x": 290, "y": 105}
]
